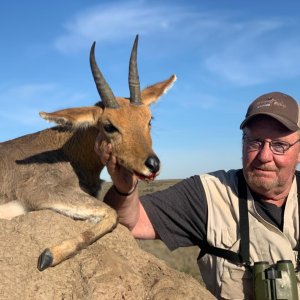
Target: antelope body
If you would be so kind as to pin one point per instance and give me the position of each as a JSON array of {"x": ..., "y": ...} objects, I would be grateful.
[{"x": 58, "y": 169}]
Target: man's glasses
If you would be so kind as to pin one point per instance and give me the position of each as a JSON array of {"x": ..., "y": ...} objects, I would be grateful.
[{"x": 277, "y": 147}]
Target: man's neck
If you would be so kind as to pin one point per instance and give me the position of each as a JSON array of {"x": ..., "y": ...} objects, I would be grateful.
[
  {"x": 272, "y": 198},
  {"x": 278, "y": 203}
]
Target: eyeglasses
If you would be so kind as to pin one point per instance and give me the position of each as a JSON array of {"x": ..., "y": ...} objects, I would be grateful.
[{"x": 277, "y": 147}]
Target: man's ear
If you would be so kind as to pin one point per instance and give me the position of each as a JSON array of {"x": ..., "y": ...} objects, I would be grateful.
[
  {"x": 75, "y": 117},
  {"x": 155, "y": 91}
]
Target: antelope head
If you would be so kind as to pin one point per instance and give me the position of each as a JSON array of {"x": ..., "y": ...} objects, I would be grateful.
[{"x": 123, "y": 122}]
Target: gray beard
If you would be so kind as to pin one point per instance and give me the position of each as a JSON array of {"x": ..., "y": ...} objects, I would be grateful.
[{"x": 257, "y": 183}]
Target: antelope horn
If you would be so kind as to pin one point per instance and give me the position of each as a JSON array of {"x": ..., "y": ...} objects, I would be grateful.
[
  {"x": 133, "y": 78},
  {"x": 103, "y": 88}
]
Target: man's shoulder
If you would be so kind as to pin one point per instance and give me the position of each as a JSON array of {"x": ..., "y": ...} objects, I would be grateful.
[
  {"x": 223, "y": 176},
  {"x": 221, "y": 189},
  {"x": 221, "y": 182}
]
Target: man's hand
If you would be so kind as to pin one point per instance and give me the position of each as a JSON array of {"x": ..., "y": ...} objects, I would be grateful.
[
  {"x": 130, "y": 211},
  {"x": 123, "y": 179}
]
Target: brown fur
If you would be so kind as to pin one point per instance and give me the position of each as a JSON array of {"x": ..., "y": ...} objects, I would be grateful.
[{"x": 57, "y": 168}]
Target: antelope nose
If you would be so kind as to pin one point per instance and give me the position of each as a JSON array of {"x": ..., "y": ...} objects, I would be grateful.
[{"x": 153, "y": 164}]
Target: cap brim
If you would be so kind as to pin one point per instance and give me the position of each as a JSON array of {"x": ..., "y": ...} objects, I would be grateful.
[{"x": 285, "y": 122}]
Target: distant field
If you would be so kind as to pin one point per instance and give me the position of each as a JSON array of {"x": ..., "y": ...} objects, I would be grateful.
[{"x": 182, "y": 259}]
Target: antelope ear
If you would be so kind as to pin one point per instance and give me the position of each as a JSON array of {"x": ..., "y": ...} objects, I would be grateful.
[
  {"x": 155, "y": 91},
  {"x": 76, "y": 117}
]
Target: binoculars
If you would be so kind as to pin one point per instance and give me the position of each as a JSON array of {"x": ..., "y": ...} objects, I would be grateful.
[{"x": 274, "y": 281}]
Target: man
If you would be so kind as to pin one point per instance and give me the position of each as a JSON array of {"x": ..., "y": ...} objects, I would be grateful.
[{"x": 206, "y": 210}]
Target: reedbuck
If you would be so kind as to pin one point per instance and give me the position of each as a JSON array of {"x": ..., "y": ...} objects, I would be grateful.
[{"x": 58, "y": 169}]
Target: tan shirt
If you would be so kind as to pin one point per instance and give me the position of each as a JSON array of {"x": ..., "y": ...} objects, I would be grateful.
[{"x": 267, "y": 243}]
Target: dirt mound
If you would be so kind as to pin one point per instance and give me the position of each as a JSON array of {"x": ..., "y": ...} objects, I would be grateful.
[{"x": 114, "y": 267}]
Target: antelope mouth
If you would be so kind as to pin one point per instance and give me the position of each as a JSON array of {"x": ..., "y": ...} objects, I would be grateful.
[
  {"x": 147, "y": 176},
  {"x": 143, "y": 177}
]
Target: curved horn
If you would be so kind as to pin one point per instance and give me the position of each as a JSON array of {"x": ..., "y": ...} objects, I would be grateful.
[
  {"x": 103, "y": 88},
  {"x": 133, "y": 78}
]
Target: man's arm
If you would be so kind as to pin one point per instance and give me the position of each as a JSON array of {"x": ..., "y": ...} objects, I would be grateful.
[
  {"x": 131, "y": 213},
  {"x": 129, "y": 208}
]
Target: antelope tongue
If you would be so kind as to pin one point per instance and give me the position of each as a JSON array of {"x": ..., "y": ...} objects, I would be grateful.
[{"x": 150, "y": 177}]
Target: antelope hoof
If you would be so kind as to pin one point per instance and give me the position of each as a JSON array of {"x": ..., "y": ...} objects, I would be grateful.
[{"x": 45, "y": 260}]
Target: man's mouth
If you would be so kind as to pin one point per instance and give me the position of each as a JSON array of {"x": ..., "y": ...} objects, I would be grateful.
[{"x": 264, "y": 169}]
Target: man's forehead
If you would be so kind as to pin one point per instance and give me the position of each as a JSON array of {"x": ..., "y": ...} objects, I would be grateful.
[
  {"x": 265, "y": 120},
  {"x": 267, "y": 126}
]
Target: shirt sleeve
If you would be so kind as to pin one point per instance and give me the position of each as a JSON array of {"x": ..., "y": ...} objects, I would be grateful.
[{"x": 179, "y": 213}]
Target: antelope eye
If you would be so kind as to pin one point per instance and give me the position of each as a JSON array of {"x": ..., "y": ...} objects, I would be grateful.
[{"x": 110, "y": 128}]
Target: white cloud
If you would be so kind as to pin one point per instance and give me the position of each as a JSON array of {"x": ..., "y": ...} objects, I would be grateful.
[
  {"x": 114, "y": 23},
  {"x": 256, "y": 53},
  {"x": 245, "y": 50}
]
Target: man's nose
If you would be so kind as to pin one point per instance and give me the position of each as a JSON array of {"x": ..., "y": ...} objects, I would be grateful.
[{"x": 265, "y": 153}]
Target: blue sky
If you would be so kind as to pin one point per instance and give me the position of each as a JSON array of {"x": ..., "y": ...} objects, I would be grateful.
[{"x": 224, "y": 53}]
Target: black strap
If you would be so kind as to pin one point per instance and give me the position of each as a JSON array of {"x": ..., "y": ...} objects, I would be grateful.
[
  {"x": 219, "y": 252},
  {"x": 244, "y": 219},
  {"x": 297, "y": 173}
]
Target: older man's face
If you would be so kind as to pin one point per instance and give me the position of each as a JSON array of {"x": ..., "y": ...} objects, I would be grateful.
[{"x": 269, "y": 174}]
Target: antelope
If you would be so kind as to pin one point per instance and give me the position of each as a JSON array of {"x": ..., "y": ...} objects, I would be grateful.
[{"x": 57, "y": 168}]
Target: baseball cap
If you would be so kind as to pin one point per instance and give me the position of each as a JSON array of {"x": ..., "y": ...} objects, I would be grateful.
[{"x": 279, "y": 106}]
